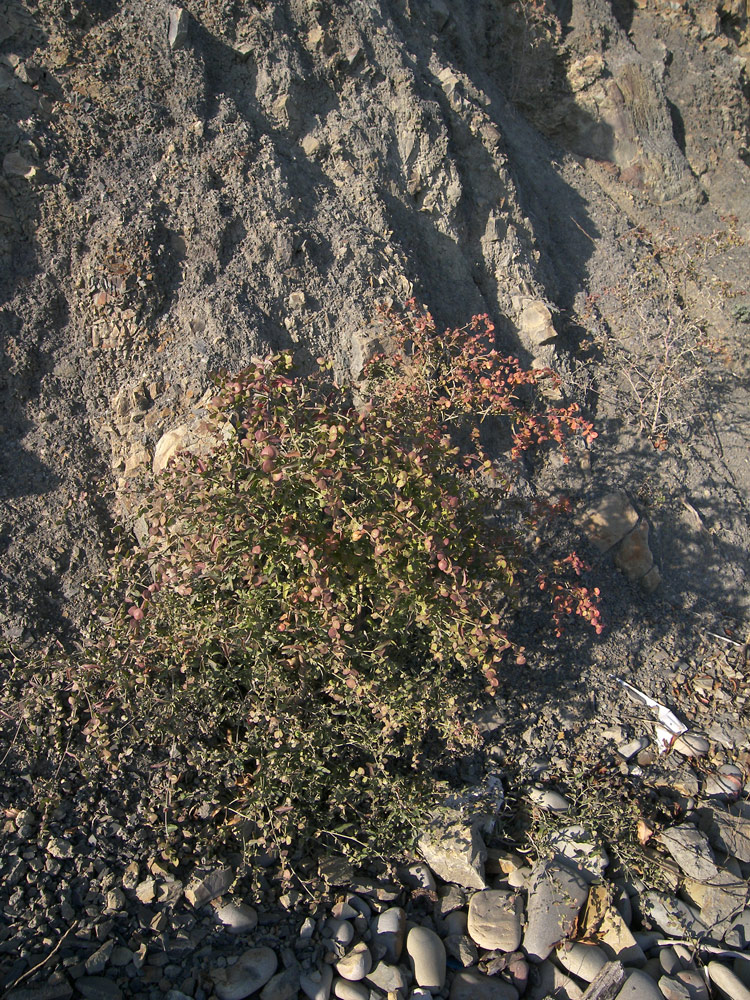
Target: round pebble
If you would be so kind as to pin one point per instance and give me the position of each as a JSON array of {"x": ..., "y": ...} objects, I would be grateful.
[
  {"x": 723, "y": 977},
  {"x": 345, "y": 990},
  {"x": 356, "y": 963},
  {"x": 495, "y": 920},
  {"x": 238, "y": 918},
  {"x": 427, "y": 953}
]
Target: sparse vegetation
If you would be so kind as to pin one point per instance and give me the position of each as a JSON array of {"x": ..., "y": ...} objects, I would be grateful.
[{"x": 322, "y": 599}]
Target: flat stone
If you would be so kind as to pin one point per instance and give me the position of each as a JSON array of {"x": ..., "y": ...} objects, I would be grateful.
[
  {"x": 388, "y": 929},
  {"x": 684, "y": 985},
  {"x": 98, "y": 988},
  {"x": 250, "y": 973},
  {"x": 356, "y": 963},
  {"x": 556, "y": 894},
  {"x": 285, "y": 986},
  {"x": 456, "y": 853},
  {"x": 629, "y": 750},
  {"x": 178, "y": 28},
  {"x": 639, "y": 986},
  {"x": 547, "y": 980},
  {"x": 729, "y": 833},
  {"x": 238, "y": 918},
  {"x": 691, "y": 744},
  {"x": 427, "y": 953},
  {"x": 495, "y": 919},
  {"x": 722, "y": 786},
  {"x": 670, "y": 914},
  {"x": 718, "y": 900},
  {"x": 726, "y": 981},
  {"x": 610, "y": 521},
  {"x": 585, "y": 961},
  {"x": 317, "y": 985},
  {"x": 98, "y": 961},
  {"x": 549, "y": 799},
  {"x": 470, "y": 985},
  {"x": 691, "y": 850}
]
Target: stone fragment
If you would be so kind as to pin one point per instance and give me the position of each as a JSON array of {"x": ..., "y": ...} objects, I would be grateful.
[
  {"x": 604, "y": 924},
  {"x": 502, "y": 862},
  {"x": 633, "y": 556},
  {"x": 470, "y": 985},
  {"x": 684, "y": 985},
  {"x": 610, "y": 521},
  {"x": 461, "y": 948},
  {"x": 585, "y": 961},
  {"x": 317, "y": 985},
  {"x": 629, "y": 750},
  {"x": 206, "y": 886},
  {"x": 494, "y": 919},
  {"x": 389, "y": 928},
  {"x": 238, "y": 918},
  {"x": 311, "y": 146},
  {"x": 639, "y": 986},
  {"x": 388, "y": 978},
  {"x": 456, "y": 852},
  {"x": 723, "y": 786},
  {"x": 178, "y": 28},
  {"x": 728, "y": 832},
  {"x": 250, "y": 973},
  {"x": 427, "y": 954},
  {"x": 99, "y": 960},
  {"x": 356, "y": 964},
  {"x": 726, "y": 981},
  {"x": 718, "y": 899},
  {"x": 691, "y": 850},
  {"x": 535, "y": 323},
  {"x": 556, "y": 894}
]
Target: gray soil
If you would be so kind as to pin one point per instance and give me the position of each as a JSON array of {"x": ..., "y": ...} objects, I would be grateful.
[{"x": 168, "y": 211}]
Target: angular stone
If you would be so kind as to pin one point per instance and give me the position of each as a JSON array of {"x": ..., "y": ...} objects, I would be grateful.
[
  {"x": 495, "y": 919},
  {"x": 718, "y": 900},
  {"x": 556, "y": 894},
  {"x": 456, "y": 852},
  {"x": 535, "y": 323},
  {"x": 691, "y": 850},
  {"x": 610, "y": 521},
  {"x": 633, "y": 556},
  {"x": 603, "y": 923},
  {"x": 470, "y": 985},
  {"x": 98, "y": 961},
  {"x": 178, "y": 28},
  {"x": 585, "y": 961},
  {"x": 207, "y": 886},
  {"x": 461, "y": 948},
  {"x": 250, "y": 973},
  {"x": 581, "y": 849},
  {"x": 15, "y": 166},
  {"x": 670, "y": 914},
  {"x": 427, "y": 954},
  {"x": 388, "y": 978}
]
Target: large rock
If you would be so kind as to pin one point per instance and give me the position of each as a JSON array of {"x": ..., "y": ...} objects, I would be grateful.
[
  {"x": 250, "y": 973},
  {"x": 556, "y": 895},
  {"x": 455, "y": 851},
  {"x": 428, "y": 958}
]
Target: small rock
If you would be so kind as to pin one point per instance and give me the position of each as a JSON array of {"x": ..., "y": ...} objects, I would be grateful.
[
  {"x": 670, "y": 914},
  {"x": 388, "y": 978},
  {"x": 738, "y": 935},
  {"x": 427, "y": 954},
  {"x": 178, "y": 28},
  {"x": 335, "y": 870},
  {"x": 341, "y": 931},
  {"x": 633, "y": 556},
  {"x": 684, "y": 986},
  {"x": 582, "y": 960},
  {"x": 205, "y": 887},
  {"x": 98, "y": 962},
  {"x": 317, "y": 985},
  {"x": 121, "y": 957},
  {"x": 610, "y": 521},
  {"x": 495, "y": 919},
  {"x": 556, "y": 894},
  {"x": 691, "y": 744},
  {"x": 639, "y": 986},
  {"x": 59, "y": 847},
  {"x": 345, "y": 990},
  {"x": 456, "y": 853},
  {"x": 722, "y": 786},
  {"x": 251, "y": 971},
  {"x": 723, "y": 978},
  {"x": 284, "y": 986},
  {"x": 356, "y": 964},
  {"x": 98, "y": 988},
  {"x": 462, "y": 949},
  {"x": 238, "y": 918},
  {"x": 634, "y": 747},
  {"x": 471, "y": 985},
  {"x": 691, "y": 850},
  {"x": 14, "y": 165},
  {"x": 456, "y": 922},
  {"x": 549, "y": 799},
  {"x": 419, "y": 877},
  {"x": 388, "y": 930}
]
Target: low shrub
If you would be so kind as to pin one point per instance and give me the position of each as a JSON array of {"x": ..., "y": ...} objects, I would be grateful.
[{"x": 323, "y": 598}]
